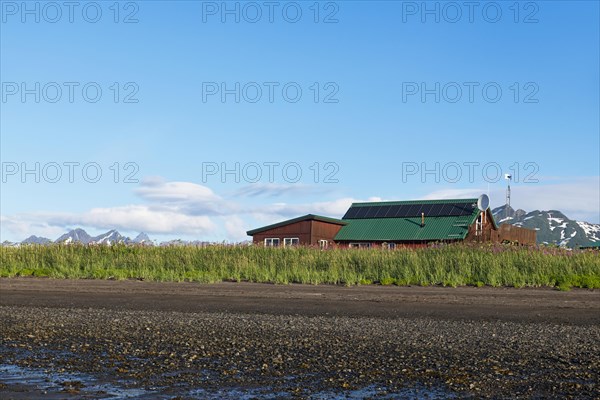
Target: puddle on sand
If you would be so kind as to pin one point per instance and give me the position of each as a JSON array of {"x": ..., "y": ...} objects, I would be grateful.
[{"x": 22, "y": 383}]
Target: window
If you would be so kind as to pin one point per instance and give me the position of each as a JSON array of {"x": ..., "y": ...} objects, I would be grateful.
[
  {"x": 360, "y": 245},
  {"x": 291, "y": 242},
  {"x": 272, "y": 242},
  {"x": 391, "y": 246},
  {"x": 323, "y": 244}
]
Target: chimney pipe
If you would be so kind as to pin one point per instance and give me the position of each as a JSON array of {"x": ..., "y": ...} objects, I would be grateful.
[{"x": 422, "y": 219}]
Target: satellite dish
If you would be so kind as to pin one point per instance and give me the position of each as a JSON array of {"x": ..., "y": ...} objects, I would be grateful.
[{"x": 483, "y": 202}]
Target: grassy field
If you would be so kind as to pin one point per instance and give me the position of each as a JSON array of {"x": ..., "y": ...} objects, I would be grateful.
[{"x": 448, "y": 265}]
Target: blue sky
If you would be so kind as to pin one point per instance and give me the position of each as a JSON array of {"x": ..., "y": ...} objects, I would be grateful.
[{"x": 388, "y": 90}]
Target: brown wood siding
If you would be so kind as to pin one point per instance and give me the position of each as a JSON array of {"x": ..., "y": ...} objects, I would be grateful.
[
  {"x": 504, "y": 233},
  {"x": 300, "y": 230},
  {"x": 308, "y": 232},
  {"x": 323, "y": 231},
  {"x": 517, "y": 235},
  {"x": 488, "y": 232}
]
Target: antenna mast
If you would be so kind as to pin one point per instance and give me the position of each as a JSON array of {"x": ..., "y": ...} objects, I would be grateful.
[{"x": 508, "y": 177}]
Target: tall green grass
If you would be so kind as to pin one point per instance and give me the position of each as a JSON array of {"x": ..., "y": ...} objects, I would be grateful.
[{"x": 448, "y": 265}]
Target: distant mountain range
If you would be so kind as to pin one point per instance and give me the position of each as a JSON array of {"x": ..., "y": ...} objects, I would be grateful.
[
  {"x": 80, "y": 236},
  {"x": 553, "y": 227},
  {"x": 109, "y": 238}
]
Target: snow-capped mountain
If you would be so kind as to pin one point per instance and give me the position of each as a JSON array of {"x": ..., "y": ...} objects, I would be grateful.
[
  {"x": 142, "y": 238},
  {"x": 36, "y": 240},
  {"x": 553, "y": 227},
  {"x": 110, "y": 237},
  {"x": 75, "y": 236}
]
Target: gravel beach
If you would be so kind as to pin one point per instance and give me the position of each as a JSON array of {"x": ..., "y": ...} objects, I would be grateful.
[{"x": 114, "y": 348}]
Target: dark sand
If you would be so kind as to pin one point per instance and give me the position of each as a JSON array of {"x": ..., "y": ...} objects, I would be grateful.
[{"x": 230, "y": 340}]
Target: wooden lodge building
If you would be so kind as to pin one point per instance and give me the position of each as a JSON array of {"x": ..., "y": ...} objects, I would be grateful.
[
  {"x": 308, "y": 230},
  {"x": 398, "y": 223}
]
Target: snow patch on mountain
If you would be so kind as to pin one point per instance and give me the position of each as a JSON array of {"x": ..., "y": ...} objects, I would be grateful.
[{"x": 110, "y": 237}]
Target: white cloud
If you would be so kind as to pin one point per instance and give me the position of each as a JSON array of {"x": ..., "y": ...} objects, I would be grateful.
[
  {"x": 579, "y": 199},
  {"x": 331, "y": 208},
  {"x": 140, "y": 218},
  {"x": 276, "y": 189},
  {"x": 453, "y": 194},
  {"x": 179, "y": 208},
  {"x": 146, "y": 219},
  {"x": 235, "y": 228},
  {"x": 158, "y": 190},
  {"x": 23, "y": 226},
  {"x": 272, "y": 213},
  {"x": 185, "y": 197}
]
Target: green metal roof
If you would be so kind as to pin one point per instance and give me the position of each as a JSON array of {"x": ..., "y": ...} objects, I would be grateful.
[
  {"x": 408, "y": 229},
  {"x": 307, "y": 217}
]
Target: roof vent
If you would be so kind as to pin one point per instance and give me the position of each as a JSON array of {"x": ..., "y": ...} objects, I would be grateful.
[{"x": 422, "y": 219}]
